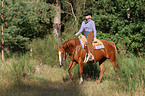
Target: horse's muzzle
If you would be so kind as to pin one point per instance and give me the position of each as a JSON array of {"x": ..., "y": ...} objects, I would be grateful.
[{"x": 61, "y": 63}]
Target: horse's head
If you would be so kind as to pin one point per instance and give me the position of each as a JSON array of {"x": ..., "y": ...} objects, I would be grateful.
[{"x": 61, "y": 54}]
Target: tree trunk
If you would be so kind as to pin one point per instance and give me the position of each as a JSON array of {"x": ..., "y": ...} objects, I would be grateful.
[
  {"x": 57, "y": 21},
  {"x": 2, "y": 47}
]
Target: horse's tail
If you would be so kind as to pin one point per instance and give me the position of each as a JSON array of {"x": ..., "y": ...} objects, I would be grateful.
[
  {"x": 116, "y": 56},
  {"x": 115, "y": 48}
]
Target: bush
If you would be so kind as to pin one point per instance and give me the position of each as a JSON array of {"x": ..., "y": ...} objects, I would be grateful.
[
  {"x": 21, "y": 67},
  {"x": 44, "y": 50}
]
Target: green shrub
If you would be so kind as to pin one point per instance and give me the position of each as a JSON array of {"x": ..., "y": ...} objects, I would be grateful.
[
  {"x": 21, "y": 67},
  {"x": 44, "y": 50}
]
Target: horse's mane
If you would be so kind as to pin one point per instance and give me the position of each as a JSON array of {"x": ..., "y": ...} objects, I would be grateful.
[
  {"x": 65, "y": 45},
  {"x": 69, "y": 44}
]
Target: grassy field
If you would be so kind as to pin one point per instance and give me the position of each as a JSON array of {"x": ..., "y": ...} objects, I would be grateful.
[{"x": 40, "y": 75}]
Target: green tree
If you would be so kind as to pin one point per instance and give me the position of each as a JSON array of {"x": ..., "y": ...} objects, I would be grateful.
[
  {"x": 123, "y": 20},
  {"x": 24, "y": 20}
]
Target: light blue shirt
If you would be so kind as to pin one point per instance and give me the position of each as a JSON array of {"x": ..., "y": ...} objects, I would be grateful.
[{"x": 89, "y": 27}]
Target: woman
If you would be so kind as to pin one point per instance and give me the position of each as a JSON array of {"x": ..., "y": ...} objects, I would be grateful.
[{"x": 88, "y": 26}]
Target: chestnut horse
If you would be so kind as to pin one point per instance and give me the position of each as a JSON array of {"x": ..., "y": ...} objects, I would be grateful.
[{"x": 77, "y": 55}]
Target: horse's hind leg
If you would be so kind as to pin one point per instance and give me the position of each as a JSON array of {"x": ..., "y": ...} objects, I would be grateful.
[
  {"x": 102, "y": 69},
  {"x": 114, "y": 62},
  {"x": 72, "y": 64}
]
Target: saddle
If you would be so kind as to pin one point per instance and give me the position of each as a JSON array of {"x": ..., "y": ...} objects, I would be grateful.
[{"x": 95, "y": 45}]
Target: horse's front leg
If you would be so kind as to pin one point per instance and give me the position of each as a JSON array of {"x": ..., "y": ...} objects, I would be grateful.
[
  {"x": 81, "y": 62},
  {"x": 72, "y": 64}
]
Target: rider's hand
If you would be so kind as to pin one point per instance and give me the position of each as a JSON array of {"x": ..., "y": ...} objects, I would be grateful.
[
  {"x": 76, "y": 34},
  {"x": 95, "y": 40}
]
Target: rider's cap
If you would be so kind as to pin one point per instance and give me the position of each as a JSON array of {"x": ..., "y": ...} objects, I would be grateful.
[{"x": 87, "y": 13}]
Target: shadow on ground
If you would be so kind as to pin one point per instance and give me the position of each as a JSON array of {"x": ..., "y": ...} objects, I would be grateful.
[
  {"x": 43, "y": 89},
  {"x": 91, "y": 71}
]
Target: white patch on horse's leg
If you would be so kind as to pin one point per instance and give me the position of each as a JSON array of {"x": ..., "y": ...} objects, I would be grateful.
[
  {"x": 81, "y": 80},
  {"x": 86, "y": 59},
  {"x": 60, "y": 57}
]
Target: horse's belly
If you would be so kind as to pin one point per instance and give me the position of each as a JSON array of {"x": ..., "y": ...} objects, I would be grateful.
[{"x": 99, "y": 54}]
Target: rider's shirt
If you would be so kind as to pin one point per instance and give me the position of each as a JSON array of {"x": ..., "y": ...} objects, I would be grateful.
[{"x": 88, "y": 26}]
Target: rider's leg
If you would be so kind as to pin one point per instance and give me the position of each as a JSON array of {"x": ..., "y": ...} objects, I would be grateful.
[{"x": 90, "y": 38}]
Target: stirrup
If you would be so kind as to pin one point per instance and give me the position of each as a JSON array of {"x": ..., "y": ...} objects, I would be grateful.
[
  {"x": 91, "y": 58},
  {"x": 86, "y": 58}
]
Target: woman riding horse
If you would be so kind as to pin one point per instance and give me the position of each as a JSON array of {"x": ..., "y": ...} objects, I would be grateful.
[
  {"x": 77, "y": 53},
  {"x": 88, "y": 26}
]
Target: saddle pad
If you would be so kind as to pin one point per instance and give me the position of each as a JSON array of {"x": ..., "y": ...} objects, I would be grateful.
[
  {"x": 98, "y": 46},
  {"x": 101, "y": 46}
]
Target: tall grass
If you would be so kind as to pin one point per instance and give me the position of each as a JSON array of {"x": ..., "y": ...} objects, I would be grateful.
[
  {"x": 17, "y": 68},
  {"x": 44, "y": 50},
  {"x": 50, "y": 77},
  {"x": 21, "y": 67},
  {"x": 131, "y": 72}
]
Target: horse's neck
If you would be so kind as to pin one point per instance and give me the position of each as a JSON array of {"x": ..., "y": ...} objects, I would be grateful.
[{"x": 69, "y": 46}]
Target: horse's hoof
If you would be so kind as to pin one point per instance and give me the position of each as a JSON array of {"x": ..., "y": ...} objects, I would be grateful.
[
  {"x": 80, "y": 82},
  {"x": 97, "y": 82}
]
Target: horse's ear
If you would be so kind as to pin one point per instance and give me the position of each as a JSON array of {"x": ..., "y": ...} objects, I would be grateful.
[{"x": 56, "y": 46}]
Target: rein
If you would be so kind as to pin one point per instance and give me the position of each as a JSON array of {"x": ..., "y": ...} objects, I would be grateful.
[
  {"x": 75, "y": 46},
  {"x": 75, "y": 39}
]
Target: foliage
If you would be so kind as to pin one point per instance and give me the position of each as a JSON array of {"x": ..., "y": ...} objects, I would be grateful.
[
  {"x": 25, "y": 20},
  {"x": 119, "y": 21},
  {"x": 124, "y": 21},
  {"x": 41, "y": 49}
]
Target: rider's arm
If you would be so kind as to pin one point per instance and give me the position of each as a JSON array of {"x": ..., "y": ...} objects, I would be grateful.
[
  {"x": 82, "y": 28},
  {"x": 94, "y": 29}
]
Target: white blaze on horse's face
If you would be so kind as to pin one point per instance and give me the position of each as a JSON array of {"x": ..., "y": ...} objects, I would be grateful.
[{"x": 60, "y": 57}]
